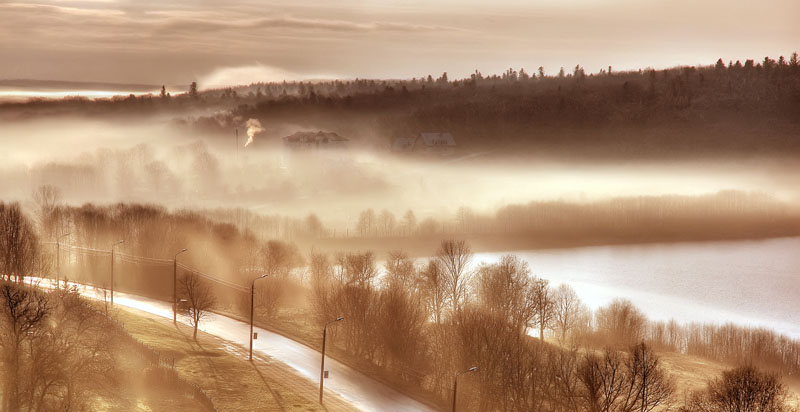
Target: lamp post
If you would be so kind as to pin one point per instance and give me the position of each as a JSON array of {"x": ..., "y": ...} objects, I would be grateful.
[
  {"x": 58, "y": 259},
  {"x": 322, "y": 368},
  {"x": 175, "y": 286},
  {"x": 112, "y": 269},
  {"x": 455, "y": 384},
  {"x": 252, "y": 301}
]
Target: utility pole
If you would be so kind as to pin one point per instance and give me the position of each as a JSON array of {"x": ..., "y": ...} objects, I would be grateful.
[
  {"x": 112, "y": 269},
  {"x": 252, "y": 305},
  {"x": 175, "y": 286},
  {"x": 455, "y": 385},
  {"x": 322, "y": 367}
]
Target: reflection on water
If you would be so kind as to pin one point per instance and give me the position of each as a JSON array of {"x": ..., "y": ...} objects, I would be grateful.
[{"x": 754, "y": 283}]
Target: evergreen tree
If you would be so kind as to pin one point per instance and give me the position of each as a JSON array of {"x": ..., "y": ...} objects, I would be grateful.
[{"x": 193, "y": 90}]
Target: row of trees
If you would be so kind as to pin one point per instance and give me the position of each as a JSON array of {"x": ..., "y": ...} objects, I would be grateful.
[
  {"x": 425, "y": 321},
  {"x": 726, "y": 213},
  {"x": 422, "y": 322},
  {"x": 449, "y": 282}
]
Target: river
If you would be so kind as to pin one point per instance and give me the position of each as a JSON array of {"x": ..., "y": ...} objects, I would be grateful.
[{"x": 754, "y": 282}]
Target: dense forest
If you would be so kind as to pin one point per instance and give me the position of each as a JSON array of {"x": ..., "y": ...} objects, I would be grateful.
[{"x": 723, "y": 108}]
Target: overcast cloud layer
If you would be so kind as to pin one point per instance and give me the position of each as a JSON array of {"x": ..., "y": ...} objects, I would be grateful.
[{"x": 175, "y": 42}]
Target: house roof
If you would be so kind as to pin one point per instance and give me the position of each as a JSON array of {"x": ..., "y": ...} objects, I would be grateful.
[
  {"x": 313, "y": 137},
  {"x": 438, "y": 139}
]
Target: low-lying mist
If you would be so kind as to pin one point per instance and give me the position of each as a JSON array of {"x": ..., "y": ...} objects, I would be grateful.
[{"x": 171, "y": 162}]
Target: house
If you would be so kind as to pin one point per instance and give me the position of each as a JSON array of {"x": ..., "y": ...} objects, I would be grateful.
[
  {"x": 404, "y": 144},
  {"x": 428, "y": 143},
  {"x": 321, "y": 151},
  {"x": 314, "y": 141}
]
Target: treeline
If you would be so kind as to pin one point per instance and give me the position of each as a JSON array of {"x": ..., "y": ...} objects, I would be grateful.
[
  {"x": 153, "y": 232},
  {"x": 687, "y": 110},
  {"x": 726, "y": 214},
  {"x": 722, "y": 215}
]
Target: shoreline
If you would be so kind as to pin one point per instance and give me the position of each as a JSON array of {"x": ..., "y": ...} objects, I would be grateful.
[{"x": 426, "y": 246}]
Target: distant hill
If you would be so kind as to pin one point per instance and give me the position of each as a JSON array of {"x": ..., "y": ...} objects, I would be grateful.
[
  {"x": 689, "y": 111},
  {"x": 71, "y": 85}
]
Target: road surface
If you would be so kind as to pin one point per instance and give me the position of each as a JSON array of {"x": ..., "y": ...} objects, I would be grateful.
[{"x": 363, "y": 392}]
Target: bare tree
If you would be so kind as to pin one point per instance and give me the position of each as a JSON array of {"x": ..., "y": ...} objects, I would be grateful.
[
  {"x": 542, "y": 298},
  {"x": 199, "y": 299},
  {"x": 568, "y": 311},
  {"x": 80, "y": 346},
  {"x": 22, "y": 312},
  {"x": 401, "y": 326},
  {"x": 454, "y": 257},
  {"x": 46, "y": 199},
  {"x": 434, "y": 289},
  {"x": 400, "y": 270},
  {"x": 366, "y": 223},
  {"x": 621, "y": 322},
  {"x": 632, "y": 382},
  {"x": 387, "y": 222},
  {"x": 651, "y": 383},
  {"x": 321, "y": 274},
  {"x": 270, "y": 294},
  {"x": 742, "y": 389},
  {"x": 279, "y": 258},
  {"x": 314, "y": 225},
  {"x": 503, "y": 289},
  {"x": 603, "y": 379},
  {"x": 409, "y": 222},
  {"x": 19, "y": 245}
]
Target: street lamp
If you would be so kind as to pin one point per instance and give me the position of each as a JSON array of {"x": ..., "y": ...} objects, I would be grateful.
[
  {"x": 455, "y": 384},
  {"x": 175, "y": 286},
  {"x": 112, "y": 269},
  {"x": 58, "y": 260},
  {"x": 322, "y": 368},
  {"x": 252, "y": 300}
]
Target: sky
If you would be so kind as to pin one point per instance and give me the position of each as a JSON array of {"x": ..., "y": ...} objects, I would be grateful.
[{"x": 243, "y": 41}]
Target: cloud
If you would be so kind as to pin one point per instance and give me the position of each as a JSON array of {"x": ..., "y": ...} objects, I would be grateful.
[
  {"x": 244, "y": 75},
  {"x": 77, "y": 11},
  {"x": 170, "y": 22}
]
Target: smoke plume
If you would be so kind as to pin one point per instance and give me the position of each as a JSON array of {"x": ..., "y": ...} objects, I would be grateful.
[{"x": 253, "y": 127}]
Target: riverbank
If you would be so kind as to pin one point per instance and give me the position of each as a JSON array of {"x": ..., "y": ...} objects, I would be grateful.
[{"x": 497, "y": 243}]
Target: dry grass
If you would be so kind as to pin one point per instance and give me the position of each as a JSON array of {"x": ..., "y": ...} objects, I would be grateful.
[
  {"x": 132, "y": 392},
  {"x": 222, "y": 370}
]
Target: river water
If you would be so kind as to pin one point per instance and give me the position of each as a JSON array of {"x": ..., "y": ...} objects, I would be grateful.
[{"x": 754, "y": 282}]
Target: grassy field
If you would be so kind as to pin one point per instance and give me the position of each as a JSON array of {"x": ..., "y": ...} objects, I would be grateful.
[
  {"x": 130, "y": 390},
  {"x": 222, "y": 370}
]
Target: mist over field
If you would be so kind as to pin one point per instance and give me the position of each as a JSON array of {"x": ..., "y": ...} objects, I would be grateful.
[
  {"x": 585, "y": 206},
  {"x": 167, "y": 161}
]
